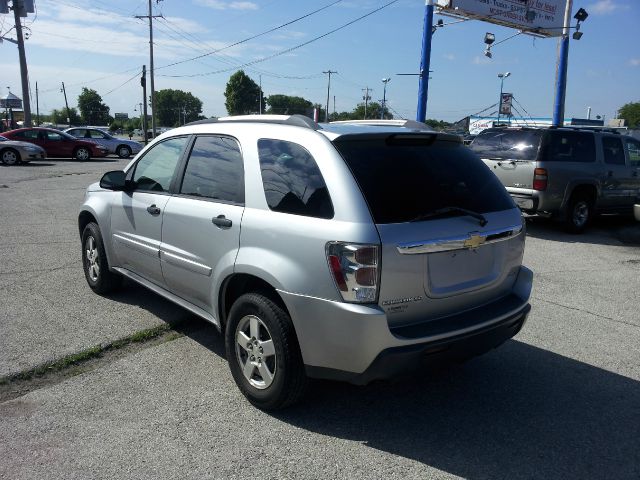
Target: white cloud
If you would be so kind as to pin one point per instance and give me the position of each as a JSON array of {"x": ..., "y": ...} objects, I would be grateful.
[
  {"x": 449, "y": 56},
  {"x": 478, "y": 60},
  {"x": 634, "y": 62},
  {"x": 602, "y": 7},
  {"x": 222, "y": 5}
]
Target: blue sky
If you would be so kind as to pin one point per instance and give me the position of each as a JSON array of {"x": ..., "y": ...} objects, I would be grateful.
[{"x": 101, "y": 45}]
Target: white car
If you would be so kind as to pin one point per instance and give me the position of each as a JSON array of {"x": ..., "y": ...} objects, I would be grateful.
[{"x": 119, "y": 146}]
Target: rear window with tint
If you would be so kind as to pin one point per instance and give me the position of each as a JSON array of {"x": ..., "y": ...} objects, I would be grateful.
[
  {"x": 508, "y": 144},
  {"x": 567, "y": 146},
  {"x": 404, "y": 179}
]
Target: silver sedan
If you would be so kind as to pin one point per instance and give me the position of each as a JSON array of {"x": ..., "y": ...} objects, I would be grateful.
[
  {"x": 119, "y": 146},
  {"x": 13, "y": 152}
]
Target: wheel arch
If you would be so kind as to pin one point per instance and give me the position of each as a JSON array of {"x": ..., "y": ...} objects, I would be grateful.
[
  {"x": 18, "y": 156},
  {"x": 581, "y": 187},
  {"x": 238, "y": 284}
]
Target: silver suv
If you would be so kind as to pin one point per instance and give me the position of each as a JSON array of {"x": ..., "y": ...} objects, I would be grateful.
[
  {"x": 349, "y": 252},
  {"x": 566, "y": 173}
]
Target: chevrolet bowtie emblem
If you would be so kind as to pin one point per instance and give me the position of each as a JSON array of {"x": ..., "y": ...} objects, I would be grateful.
[{"x": 474, "y": 241}]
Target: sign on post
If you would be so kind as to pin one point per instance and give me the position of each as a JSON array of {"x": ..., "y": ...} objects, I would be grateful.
[
  {"x": 120, "y": 116},
  {"x": 505, "y": 104},
  {"x": 538, "y": 17}
]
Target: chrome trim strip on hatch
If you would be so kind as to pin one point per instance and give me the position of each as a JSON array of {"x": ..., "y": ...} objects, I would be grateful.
[{"x": 460, "y": 242}]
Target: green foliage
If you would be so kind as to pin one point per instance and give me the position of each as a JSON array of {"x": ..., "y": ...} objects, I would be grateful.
[
  {"x": 631, "y": 113},
  {"x": 289, "y": 105},
  {"x": 92, "y": 110},
  {"x": 175, "y": 108},
  {"x": 242, "y": 95},
  {"x": 438, "y": 124},
  {"x": 59, "y": 116},
  {"x": 373, "y": 111}
]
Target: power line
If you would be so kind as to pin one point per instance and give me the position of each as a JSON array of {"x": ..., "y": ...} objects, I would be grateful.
[
  {"x": 252, "y": 37},
  {"x": 122, "y": 84},
  {"x": 283, "y": 52}
]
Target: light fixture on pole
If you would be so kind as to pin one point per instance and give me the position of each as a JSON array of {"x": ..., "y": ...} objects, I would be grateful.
[
  {"x": 384, "y": 97},
  {"x": 489, "y": 38},
  {"x": 501, "y": 76}
]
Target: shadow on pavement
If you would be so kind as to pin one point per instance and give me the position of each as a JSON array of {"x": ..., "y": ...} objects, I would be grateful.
[
  {"x": 517, "y": 412},
  {"x": 604, "y": 230}
]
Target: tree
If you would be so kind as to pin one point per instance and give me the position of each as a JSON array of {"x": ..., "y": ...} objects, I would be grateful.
[
  {"x": 175, "y": 107},
  {"x": 631, "y": 113},
  {"x": 92, "y": 110},
  {"x": 289, "y": 105},
  {"x": 373, "y": 112},
  {"x": 438, "y": 124},
  {"x": 59, "y": 116},
  {"x": 242, "y": 95}
]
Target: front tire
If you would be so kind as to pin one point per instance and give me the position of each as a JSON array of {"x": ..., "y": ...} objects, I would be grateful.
[
  {"x": 579, "y": 213},
  {"x": 263, "y": 353},
  {"x": 10, "y": 157},
  {"x": 123, "y": 151},
  {"x": 82, "y": 154},
  {"x": 95, "y": 264}
]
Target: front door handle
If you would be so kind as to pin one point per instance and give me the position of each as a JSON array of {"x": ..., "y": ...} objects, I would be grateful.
[
  {"x": 153, "y": 210},
  {"x": 222, "y": 221}
]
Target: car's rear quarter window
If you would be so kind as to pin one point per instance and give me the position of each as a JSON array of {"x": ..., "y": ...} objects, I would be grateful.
[{"x": 507, "y": 144}]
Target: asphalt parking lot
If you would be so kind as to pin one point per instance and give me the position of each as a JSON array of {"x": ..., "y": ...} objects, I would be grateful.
[{"x": 561, "y": 400}]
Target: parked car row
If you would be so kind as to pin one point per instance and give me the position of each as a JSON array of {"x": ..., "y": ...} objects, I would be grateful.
[{"x": 77, "y": 143}]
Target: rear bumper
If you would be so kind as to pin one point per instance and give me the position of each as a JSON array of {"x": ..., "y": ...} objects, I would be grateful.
[
  {"x": 396, "y": 361},
  {"x": 354, "y": 342}
]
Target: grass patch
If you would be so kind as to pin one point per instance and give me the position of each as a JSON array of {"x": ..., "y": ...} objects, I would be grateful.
[{"x": 91, "y": 353}]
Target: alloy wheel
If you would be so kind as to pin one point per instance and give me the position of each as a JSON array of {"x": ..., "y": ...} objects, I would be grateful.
[{"x": 255, "y": 352}]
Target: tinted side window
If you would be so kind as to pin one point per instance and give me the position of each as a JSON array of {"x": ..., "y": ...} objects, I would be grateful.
[
  {"x": 54, "y": 137},
  {"x": 292, "y": 180},
  {"x": 30, "y": 134},
  {"x": 154, "y": 171},
  {"x": 563, "y": 146},
  {"x": 633, "y": 150},
  {"x": 612, "y": 150},
  {"x": 78, "y": 133},
  {"x": 215, "y": 170},
  {"x": 97, "y": 134}
]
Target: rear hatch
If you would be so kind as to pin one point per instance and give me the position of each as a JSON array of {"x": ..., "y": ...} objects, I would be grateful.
[
  {"x": 451, "y": 236},
  {"x": 510, "y": 154}
]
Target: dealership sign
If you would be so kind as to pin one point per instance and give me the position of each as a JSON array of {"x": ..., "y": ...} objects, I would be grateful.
[
  {"x": 538, "y": 17},
  {"x": 505, "y": 104}
]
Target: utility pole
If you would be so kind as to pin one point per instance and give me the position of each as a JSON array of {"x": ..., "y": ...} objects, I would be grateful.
[
  {"x": 20, "y": 9},
  {"x": 384, "y": 96},
  {"x": 37, "y": 107},
  {"x": 67, "y": 105},
  {"x": 334, "y": 105},
  {"x": 150, "y": 16},
  {"x": 326, "y": 112},
  {"x": 143, "y": 82},
  {"x": 366, "y": 97}
]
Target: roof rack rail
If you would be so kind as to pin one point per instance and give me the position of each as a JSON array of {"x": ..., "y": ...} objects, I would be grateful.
[
  {"x": 386, "y": 123},
  {"x": 294, "y": 120}
]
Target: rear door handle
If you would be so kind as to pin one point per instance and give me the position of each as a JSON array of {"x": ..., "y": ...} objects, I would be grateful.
[
  {"x": 221, "y": 221},
  {"x": 153, "y": 210}
]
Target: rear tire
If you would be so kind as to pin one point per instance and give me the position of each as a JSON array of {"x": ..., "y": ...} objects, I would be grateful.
[
  {"x": 263, "y": 353},
  {"x": 579, "y": 213},
  {"x": 95, "y": 264},
  {"x": 10, "y": 157}
]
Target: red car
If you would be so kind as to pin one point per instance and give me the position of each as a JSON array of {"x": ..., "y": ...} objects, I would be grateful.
[{"x": 57, "y": 143}]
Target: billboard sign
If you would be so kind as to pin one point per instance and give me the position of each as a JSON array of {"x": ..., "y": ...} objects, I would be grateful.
[
  {"x": 120, "y": 116},
  {"x": 505, "y": 104},
  {"x": 538, "y": 17}
]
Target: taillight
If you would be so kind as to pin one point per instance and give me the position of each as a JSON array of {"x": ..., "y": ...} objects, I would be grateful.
[
  {"x": 355, "y": 270},
  {"x": 540, "y": 179}
]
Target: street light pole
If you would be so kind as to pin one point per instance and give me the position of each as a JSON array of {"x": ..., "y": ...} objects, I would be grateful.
[
  {"x": 561, "y": 74},
  {"x": 425, "y": 61},
  {"x": 384, "y": 96},
  {"x": 501, "y": 76}
]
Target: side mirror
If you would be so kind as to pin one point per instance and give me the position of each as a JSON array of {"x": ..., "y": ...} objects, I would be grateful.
[{"x": 114, "y": 180}]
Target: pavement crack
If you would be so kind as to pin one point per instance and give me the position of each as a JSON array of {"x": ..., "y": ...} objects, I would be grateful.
[
  {"x": 604, "y": 317},
  {"x": 54, "y": 372}
]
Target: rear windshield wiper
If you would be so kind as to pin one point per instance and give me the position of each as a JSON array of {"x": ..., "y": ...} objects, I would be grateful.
[{"x": 447, "y": 210}]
